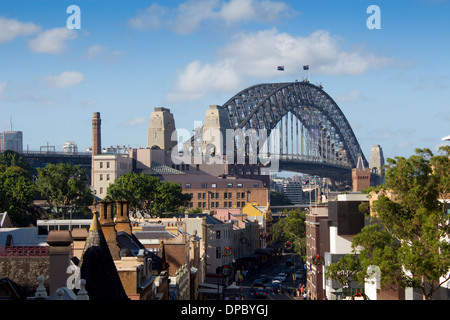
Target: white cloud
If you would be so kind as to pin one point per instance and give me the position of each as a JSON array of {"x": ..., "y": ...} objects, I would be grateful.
[
  {"x": 138, "y": 121},
  {"x": 260, "y": 53},
  {"x": 2, "y": 89},
  {"x": 150, "y": 18},
  {"x": 94, "y": 51},
  {"x": 64, "y": 80},
  {"x": 11, "y": 28},
  {"x": 252, "y": 10},
  {"x": 191, "y": 14},
  {"x": 98, "y": 51},
  {"x": 52, "y": 41},
  {"x": 255, "y": 56},
  {"x": 198, "y": 79}
]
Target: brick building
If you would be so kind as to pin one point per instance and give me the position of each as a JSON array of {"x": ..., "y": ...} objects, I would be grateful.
[{"x": 212, "y": 193}]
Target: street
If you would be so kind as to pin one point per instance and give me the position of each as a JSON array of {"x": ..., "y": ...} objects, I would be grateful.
[{"x": 287, "y": 288}]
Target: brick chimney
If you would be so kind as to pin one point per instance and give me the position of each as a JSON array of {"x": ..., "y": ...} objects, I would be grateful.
[
  {"x": 122, "y": 217},
  {"x": 96, "y": 140},
  {"x": 60, "y": 251},
  {"x": 108, "y": 227}
]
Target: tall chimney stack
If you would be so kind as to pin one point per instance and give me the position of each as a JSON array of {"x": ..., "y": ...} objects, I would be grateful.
[
  {"x": 96, "y": 140},
  {"x": 96, "y": 134}
]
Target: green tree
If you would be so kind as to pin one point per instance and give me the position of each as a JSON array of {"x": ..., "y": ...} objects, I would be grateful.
[
  {"x": 170, "y": 198},
  {"x": 17, "y": 192},
  {"x": 65, "y": 188},
  {"x": 345, "y": 271},
  {"x": 11, "y": 158},
  {"x": 138, "y": 189},
  {"x": 147, "y": 194},
  {"x": 279, "y": 199},
  {"x": 292, "y": 228},
  {"x": 409, "y": 235}
]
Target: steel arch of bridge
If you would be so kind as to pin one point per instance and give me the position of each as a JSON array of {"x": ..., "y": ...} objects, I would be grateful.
[{"x": 326, "y": 135}]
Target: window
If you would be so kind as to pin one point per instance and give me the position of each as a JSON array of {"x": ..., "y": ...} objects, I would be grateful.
[
  {"x": 101, "y": 190},
  {"x": 218, "y": 253},
  {"x": 229, "y": 195},
  {"x": 107, "y": 164},
  {"x": 230, "y": 204},
  {"x": 243, "y": 195},
  {"x": 229, "y": 185},
  {"x": 217, "y": 195},
  {"x": 101, "y": 165},
  {"x": 101, "y": 177},
  {"x": 255, "y": 185},
  {"x": 212, "y": 204},
  {"x": 213, "y": 185},
  {"x": 239, "y": 185},
  {"x": 203, "y": 185},
  {"x": 199, "y": 195},
  {"x": 217, "y": 204},
  {"x": 225, "y": 204},
  {"x": 238, "y": 195},
  {"x": 203, "y": 195},
  {"x": 238, "y": 204},
  {"x": 188, "y": 185},
  {"x": 218, "y": 234},
  {"x": 225, "y": 195},
  {"x": 212, "y": 195},
  {"x": 107, "y": 177}
]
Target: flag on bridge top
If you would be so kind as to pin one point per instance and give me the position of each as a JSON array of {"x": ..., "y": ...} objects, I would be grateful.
[
  {"x": 280, "y": 68},
  {"x": 306, "y": 67}
]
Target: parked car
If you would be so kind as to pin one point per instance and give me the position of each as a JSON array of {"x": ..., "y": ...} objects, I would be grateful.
[
  {"x": 257, "y": 283},
  {"x": 264, "y": 278},
  {"x": 289, "y": 263},
  {"x": 261, "y": 293},
  {"x": 276, "y": 280},
  {"x": 282, "y": 276}
]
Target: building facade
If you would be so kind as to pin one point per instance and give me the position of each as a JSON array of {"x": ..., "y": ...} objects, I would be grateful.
[
  {"x": 11, "y": 140},
  {"x": 212, "y": 193},
  {"x": 106, "y": 169}
]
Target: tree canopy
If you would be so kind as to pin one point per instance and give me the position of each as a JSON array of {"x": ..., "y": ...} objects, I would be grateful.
[
  {"x": 147, "y": 194},
  {"x": 65, "y": 188},
  {"x": 279, "y": 199},
  {"x": 408, "y": 238},
  {"x": 292, "y": 228},
  {"x": 11, "y": 158},
  {"x": 16, "y": 193}
]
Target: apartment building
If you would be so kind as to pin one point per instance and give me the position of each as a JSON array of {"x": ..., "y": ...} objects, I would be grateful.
[{"x": 212, "y": 193}]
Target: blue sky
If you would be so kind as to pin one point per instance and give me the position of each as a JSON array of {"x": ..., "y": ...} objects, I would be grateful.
[{"x": 131, "y": 56}]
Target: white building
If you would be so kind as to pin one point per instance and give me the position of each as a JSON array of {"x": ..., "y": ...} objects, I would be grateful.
[
  {"x": 344, "y": 222},
  {"x": 106, "y": 169}
]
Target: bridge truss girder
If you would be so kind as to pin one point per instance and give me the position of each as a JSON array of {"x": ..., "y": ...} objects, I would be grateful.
[{"x": 324, "y": 130}]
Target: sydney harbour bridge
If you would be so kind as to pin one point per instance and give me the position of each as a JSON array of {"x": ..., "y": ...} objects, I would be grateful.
[{"x": 314, "y": 135}]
